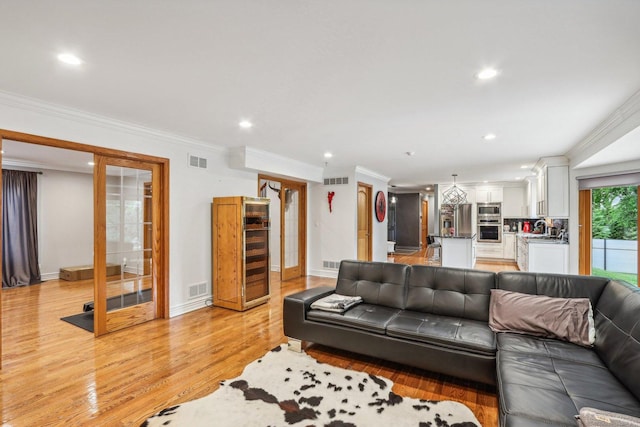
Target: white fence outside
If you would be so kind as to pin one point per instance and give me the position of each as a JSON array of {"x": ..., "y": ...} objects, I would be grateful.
[{"x": 615, "y": 255}]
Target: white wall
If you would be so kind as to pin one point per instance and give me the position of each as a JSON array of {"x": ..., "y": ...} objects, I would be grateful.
[
  {"x": 333, "y": 235},
  {"x": 65, "y": 221}
]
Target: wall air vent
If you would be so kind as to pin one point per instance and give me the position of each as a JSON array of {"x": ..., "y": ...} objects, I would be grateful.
[
  {"x": 332, "y": 265},
  {"x": 197, "y": 162},
  {"x": 336, "y": 181},
  {"x": 198, "y": 289}
]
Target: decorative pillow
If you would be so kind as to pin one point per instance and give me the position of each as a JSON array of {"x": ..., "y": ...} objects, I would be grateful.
[
  {"x": 590, "y": 417},
  {"x": 336, "y": 303},
  {"x": 567, "y": 319}
]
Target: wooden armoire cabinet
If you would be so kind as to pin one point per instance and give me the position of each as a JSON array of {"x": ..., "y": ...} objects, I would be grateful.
[{"x": 240, "y": 252}]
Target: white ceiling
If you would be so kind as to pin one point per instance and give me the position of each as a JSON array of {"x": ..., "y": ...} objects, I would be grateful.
[{"x": 368, "y": 80}]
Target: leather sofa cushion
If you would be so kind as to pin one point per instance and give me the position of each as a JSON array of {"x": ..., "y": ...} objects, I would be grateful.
[
  {"x": 380, "y": 283},
  {"x": 551, "y": 386},
  {"x": 617, "y": 321},
  {"x": 548, "y": 347},
  {"x": 553, "y": 285},
  {"x": 451, "y": 292},
  {"x": 368, "y": 317},
  {"x": 455, "y": 333}
]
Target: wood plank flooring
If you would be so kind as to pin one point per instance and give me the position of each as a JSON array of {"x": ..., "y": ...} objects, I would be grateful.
[{"x": 54, "y": 373}]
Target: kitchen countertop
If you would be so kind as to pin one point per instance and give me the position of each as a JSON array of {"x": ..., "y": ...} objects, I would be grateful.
[
  {"x": 459, "y": 236},
  {"x": 543, "y": 239}
]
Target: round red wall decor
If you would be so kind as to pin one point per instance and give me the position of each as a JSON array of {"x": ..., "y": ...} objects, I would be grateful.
[{"x": 381, "y": 206}]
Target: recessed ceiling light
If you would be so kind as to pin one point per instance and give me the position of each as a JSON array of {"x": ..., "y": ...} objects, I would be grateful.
[
  {"x": 328, "y": 155},
  {"x": 485, "y": 181},
  {"x": 487, "y": 73},
  {"x": 91, "y": 163},
  {"x": 524, "y": 167},
  {"x": 489, "y": 137},
  {"x": 245, "y": 124},
  {"x": 69, "y": 58},
  {"x": 517, "y": 177},
  {"x": 428, "y": 188}
]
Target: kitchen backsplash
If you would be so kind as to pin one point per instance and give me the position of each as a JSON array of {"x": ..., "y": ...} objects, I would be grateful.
[{"x": 559, "y": 223}]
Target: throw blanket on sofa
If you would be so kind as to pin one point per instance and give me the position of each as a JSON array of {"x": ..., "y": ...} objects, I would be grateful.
[{"x": 336, "y": 303}]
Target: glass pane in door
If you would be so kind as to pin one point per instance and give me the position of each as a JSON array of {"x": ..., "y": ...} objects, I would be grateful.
[
  {"x": 291, "y": 210},
  {"x": 128, "y": 234},
  {"x": 614, "y": 228}
]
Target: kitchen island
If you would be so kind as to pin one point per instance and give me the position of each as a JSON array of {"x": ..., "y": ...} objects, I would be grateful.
[{"x": 458, "y": 250}]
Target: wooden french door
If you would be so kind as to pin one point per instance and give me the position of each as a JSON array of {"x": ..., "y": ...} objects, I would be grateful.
[
  {"x": 365, "y": 215},
  {"x": 127, "y": 226},
  {"x": 292, "y": 214},
  {"x": 288, "y": 223}
]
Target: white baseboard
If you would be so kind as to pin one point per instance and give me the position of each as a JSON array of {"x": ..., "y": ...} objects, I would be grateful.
[
  {"x": 50, "y": 276},
  {"x": 324, "y": 273},
  {"x": 189, "y": 306}
]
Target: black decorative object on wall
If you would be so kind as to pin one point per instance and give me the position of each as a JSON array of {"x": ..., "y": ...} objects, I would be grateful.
[{"x": 381, "y": 206}]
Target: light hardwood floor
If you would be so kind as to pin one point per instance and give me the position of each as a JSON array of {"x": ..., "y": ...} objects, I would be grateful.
[{"x": 54, "y": 373}]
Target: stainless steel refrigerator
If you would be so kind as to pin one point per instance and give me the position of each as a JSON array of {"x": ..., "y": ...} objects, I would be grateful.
[{"x": 456, "y": 217}]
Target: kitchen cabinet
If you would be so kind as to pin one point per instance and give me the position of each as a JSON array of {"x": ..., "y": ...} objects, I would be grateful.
[
  {"x": 552, "y": 188},
  {"x": 542, "y": 257},
  {"x": 489, "y": 250},
  {"x": 509, "y": 245},
  {"x": 458, "y": 252},
  {"x": 489, "y": 195},
  {"x": 548, "y": 258},
  {"x": 513, "y": 202},
  {"x": 240, "y": 252}
]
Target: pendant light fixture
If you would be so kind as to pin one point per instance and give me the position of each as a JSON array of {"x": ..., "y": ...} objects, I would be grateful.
[{"x": 454, "y": 195}]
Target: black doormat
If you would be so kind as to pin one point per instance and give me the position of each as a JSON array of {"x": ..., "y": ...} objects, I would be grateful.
[
  {"x": 85, "y": 320},
  {"x": 82, "y": 320}
]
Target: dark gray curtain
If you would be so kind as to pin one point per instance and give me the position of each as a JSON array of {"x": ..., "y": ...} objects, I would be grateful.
[{"x": 19, "y": 228}]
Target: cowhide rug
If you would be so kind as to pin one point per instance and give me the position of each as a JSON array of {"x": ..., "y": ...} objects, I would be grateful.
[{"x": 285, "y": 388}]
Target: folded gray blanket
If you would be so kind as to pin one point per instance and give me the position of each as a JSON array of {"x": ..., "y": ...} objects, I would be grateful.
[{"x": 336, "y": 303}]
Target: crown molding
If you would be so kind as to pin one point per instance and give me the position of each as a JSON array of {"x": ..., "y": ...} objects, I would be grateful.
[
  {"x": 623, "y": 120},
  {"x": 55, "y": 110},
  {"x": 372, "y": 174}
]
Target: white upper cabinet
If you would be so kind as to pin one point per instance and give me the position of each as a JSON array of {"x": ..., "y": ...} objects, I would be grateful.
[
  {"x": 489, "y": 195},
  {"x": 513, "y": 202},
  {"x": 553, "y": 187}
]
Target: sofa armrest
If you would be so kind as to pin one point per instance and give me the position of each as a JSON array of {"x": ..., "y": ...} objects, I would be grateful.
[{"x": 295, "y": 307}]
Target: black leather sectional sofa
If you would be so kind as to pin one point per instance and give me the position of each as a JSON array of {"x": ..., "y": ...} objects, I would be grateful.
[{"x": 436, "y": 318}]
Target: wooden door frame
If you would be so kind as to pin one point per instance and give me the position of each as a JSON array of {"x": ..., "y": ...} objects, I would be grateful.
[
  {"x": 584, "y": 232},
  {"x": 369, "y": 214},
  {"x": 425, "y": 221},
  {"x": 162, "y": 296},
  {"x": 302, "y": 221}
]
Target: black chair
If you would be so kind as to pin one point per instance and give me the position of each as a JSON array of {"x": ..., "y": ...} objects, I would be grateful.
[{"x": 433, "y": 257}]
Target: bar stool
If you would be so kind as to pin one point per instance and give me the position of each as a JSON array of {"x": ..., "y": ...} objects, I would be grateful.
[{"x": 433, "y": 257}]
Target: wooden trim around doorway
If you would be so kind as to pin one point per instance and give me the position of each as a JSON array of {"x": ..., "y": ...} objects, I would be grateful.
[
  {"x": 163, "y": 164},
  {"x": 584, "y": 232}
]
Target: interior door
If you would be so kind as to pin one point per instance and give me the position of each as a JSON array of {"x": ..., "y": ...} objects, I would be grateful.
[
  {"x": 364, "y": 222},
  {"x": 425, "y": 223},
  {"x": 292, "y": 217},
  {"x": 127, "y": 223}
]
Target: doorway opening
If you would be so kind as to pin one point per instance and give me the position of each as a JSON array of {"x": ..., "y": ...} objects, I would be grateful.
[
  {"x": 608, "y": 231},
  {"x": 160, "y": 259},
  {"x": 288, "y": 213}
]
